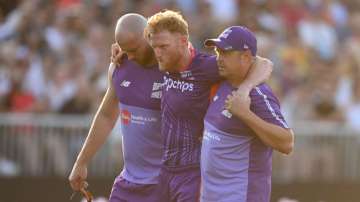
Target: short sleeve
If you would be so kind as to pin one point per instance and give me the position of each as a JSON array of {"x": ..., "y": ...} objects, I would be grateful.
[{"x": 265, "y": 105}]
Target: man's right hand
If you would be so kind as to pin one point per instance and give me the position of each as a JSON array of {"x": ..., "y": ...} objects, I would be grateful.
[
  {"x": 116, "y": 54},
  {"x": 77, "y": 177}
]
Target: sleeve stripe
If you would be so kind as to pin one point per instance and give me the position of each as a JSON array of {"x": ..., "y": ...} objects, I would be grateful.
[{"x": 270, "y": 108}]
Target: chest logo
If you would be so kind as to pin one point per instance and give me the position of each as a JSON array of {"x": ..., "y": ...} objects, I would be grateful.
[
  {"x": 183, "y": 86},
  {"x": 215, "y": 98},
  {"x": 185, "y": 74},
  {"x": 125, "y": 117},
  {"x": 156, "y": 90},
  {"x": 226, "y": 113},
  {"x": 125, "y": 83}
]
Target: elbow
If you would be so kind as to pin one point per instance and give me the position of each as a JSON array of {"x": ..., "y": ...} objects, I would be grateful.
[
  {"x": 288, "y": 146},
  {"x": 270, "y": 67}
]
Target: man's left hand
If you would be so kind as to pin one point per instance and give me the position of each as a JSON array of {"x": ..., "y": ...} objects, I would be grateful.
[{"x": 238, "y": 104}]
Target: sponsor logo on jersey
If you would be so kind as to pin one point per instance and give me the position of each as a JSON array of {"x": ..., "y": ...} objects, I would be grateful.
[
  {"x": 127, "y": 118},
  {"x": 183, "y": 86},
  {"x": 186, "y": 74},
  {"x": 156, "y": 90},
  {"x": 209, "y": 136}
]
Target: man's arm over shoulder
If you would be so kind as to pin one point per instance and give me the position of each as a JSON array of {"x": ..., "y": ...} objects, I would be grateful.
[{"x": 259, "y": 73}]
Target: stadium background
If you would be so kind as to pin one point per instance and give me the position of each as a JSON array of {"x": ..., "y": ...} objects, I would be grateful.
[{"x": 54, "y": 56}]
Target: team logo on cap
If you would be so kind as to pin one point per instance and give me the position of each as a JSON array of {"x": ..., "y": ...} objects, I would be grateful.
[{"x": 226, "y": 33}]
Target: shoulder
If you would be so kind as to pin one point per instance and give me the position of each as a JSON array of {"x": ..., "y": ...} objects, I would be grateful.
[
  {"x": 205, "y": 59},
  {"x": 263, "y": 93},
  {"x": 206, "y": 63},
  {"x": 123, "y": 67}
]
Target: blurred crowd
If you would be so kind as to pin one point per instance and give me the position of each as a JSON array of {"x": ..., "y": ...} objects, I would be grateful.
[{"x": 54, "y": 54}]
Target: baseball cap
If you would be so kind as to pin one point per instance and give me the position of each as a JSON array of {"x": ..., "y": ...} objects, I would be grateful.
[{"x": 235, "y": 38}]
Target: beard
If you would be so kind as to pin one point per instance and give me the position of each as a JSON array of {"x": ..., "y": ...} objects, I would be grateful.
[
  {"x": 167, "y": 67},
  {"x": 163, "y": 67},
  {"x": 170, "y": 64}
]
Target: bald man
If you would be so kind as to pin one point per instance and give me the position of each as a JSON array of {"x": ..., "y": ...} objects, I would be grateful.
[{"x": 133, "y": 93}]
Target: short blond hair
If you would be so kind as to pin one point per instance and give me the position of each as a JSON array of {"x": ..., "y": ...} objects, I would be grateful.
[{"x": 166, "y": 20}]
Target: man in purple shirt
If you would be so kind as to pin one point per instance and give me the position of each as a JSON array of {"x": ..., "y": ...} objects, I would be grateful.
[
  {"x": 238, "y": 139},
  {"x": 133, "y": 95},
  {"x": 189, "y": 76}
]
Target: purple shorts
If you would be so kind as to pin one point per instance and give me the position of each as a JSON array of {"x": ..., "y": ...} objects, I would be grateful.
[
  {"x": 179, "y": 185},
  {"x": 125, "y": 191}
]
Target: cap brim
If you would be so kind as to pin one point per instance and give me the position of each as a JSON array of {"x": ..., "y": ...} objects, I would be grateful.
[{"x": 216, "y": 43}]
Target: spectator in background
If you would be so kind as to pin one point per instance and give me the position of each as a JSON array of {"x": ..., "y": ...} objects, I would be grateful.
[
  {"x": 353, "y": 110},
  {"x": 318, "y": 34},
  {"x": 292, "y": 33},
  {"x": 61, "y": 88}
]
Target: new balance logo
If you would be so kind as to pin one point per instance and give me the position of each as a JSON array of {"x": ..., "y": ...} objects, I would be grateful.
[
  {"x": 125, "y": 83},
  {"x": 226, "y": 113}
]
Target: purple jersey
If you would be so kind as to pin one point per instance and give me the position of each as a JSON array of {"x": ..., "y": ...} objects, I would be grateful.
[
  {"x": 139, "y": 92},
  {"x": 185, "y": 100},
  {"x": 235, "y": 164},
  {"x": 124, "y": 190}
]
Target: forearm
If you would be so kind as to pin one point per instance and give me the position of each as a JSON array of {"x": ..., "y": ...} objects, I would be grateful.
[
  {"x": 279, "y": 138},
  {"x": 98, "y": 133},
  {"x": 104, "y": 121},
  {"x": 258, "y": 73}
]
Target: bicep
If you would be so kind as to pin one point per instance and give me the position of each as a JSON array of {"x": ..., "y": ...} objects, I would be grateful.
[{"x": 109, "y": 103}]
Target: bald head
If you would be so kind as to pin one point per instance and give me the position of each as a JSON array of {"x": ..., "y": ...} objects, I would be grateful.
[
  {"x": 129, "y": 26},
  {"x": 129, "y": 35}
]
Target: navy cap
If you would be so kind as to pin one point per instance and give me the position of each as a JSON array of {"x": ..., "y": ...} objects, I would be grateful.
[{"x": 235, "y": 38}]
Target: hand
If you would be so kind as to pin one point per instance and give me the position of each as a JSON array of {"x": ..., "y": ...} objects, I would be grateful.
[
  {"x": 77, "y": 177},
  {"x": 237, "y": 104},
  {"x": 265, "y": 66},
  {"x": 116, "y": 54},
  {"x": 260, "y": 61}
]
